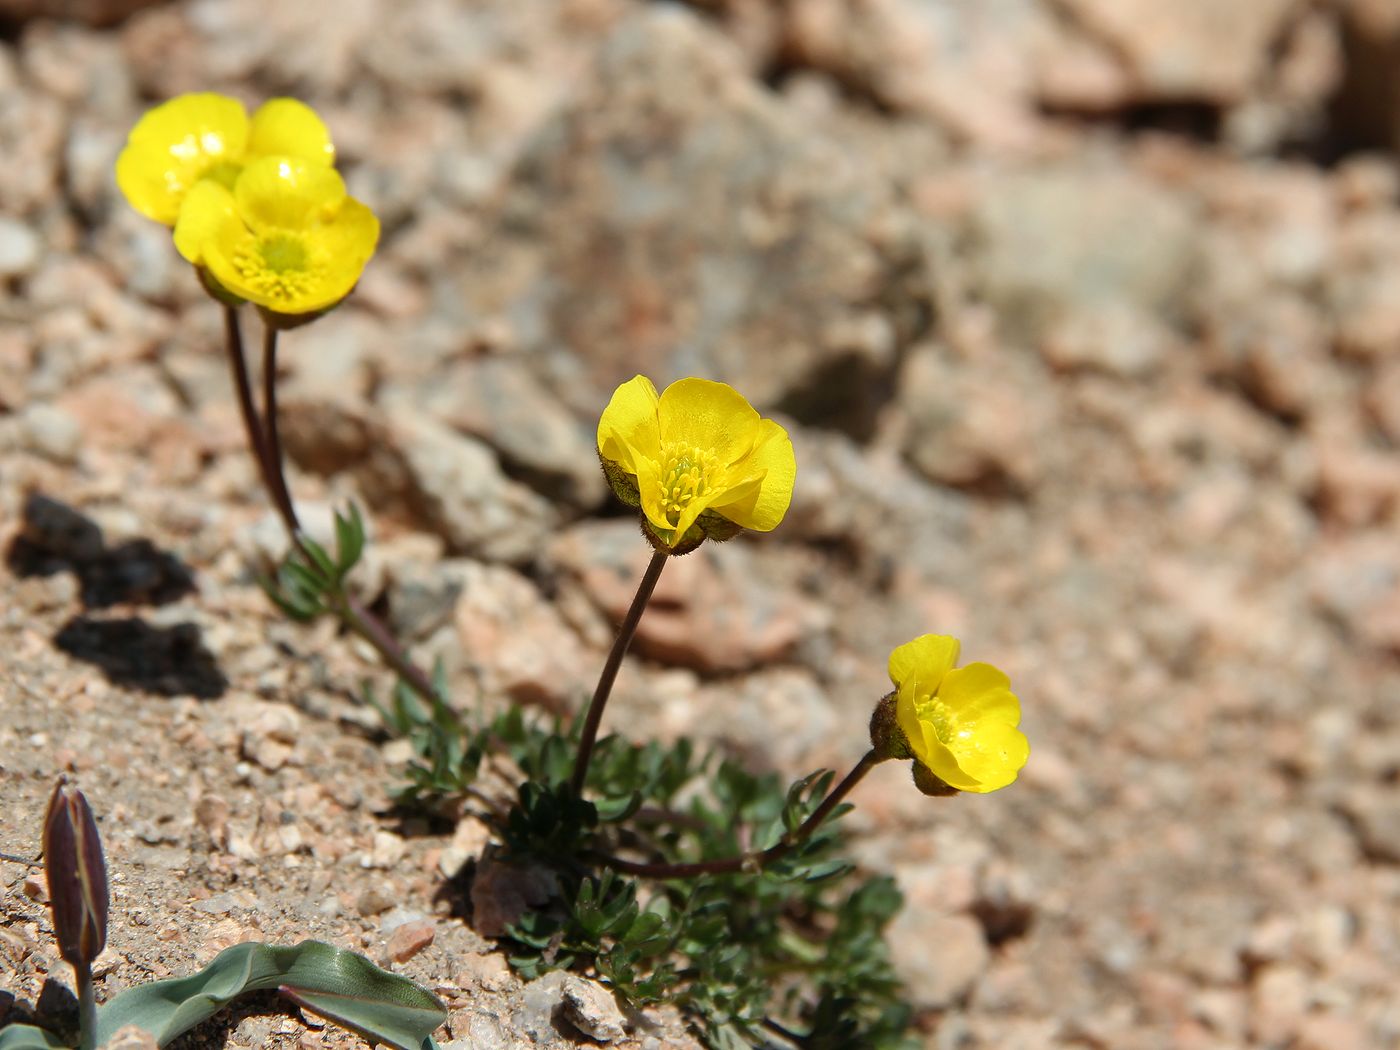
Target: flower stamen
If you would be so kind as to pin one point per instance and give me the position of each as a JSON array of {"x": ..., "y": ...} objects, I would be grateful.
[
  {"x": 687, "y": 474},
  {"x": 277, "y": 265}
]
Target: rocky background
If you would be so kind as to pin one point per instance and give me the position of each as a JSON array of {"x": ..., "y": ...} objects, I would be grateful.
[{"x": 1084, "y": 315}]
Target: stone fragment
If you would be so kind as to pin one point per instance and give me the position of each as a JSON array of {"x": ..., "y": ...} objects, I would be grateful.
[
  {"x": 592, "y": 1009},
  {"x": 724, "y": 236},
  {"x": 212, "y": 813},
  {"x": 446, "y": 482},
  {"x": 499, "y": 401},
  {"x": 51, "y": 432},
  {"x": 967, "y": 428},
  {"x": 1374, "y": 814},
  {"x": 19, "y": 248},
  {"x": 1279, "y": 1000},
  {"x": 411, "y": 938},
  {"x": 970, "y": 67},
  {"x": 516, "y": 643},
  {"x": 711, "y": 610},
  {"x": 940, "y": 957},
  {"x": 1189, "y": 50},
  {"x": 131, "y": 1037},
  {"x": 1061, "y": 240}
]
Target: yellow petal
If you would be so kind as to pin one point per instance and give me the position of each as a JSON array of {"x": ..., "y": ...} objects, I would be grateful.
[
  {"x": 907, "y": 716},
  {"x": 699, "y": 413},
  {"x": 288, "y": 193},
  {"x": 772, "y": 465},
  {"x": 630, "y": 429},
  {"x": 207, "y": 208},
  {"x": 649, "y": 491},
  {"x": 175, "y": 145},
  {"x": 345, "y": 245},
  {"x": 285, "y": 127},
  {"x": 992, "y": 756},
  {"x": 924, "y": 662},
  {"x": 980, "y": 691}
]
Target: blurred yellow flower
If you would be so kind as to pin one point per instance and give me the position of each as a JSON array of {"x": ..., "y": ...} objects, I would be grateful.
[
  {"x": 698, "y": 460},
  {"x": 960, "y": 722},
  {"x": 209, "y": 136},
  {"x": 287, "y": 238}
]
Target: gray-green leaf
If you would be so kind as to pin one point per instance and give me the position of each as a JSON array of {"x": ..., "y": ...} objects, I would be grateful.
[{"x": 339, "y": 985}]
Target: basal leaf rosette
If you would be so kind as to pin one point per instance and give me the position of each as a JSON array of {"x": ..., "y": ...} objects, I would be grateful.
[
  {"x": 959, "y": 724},
  {"x": 287, "y": 237},
  {"x": 697, "y": 460},
  {"x": 205, "y": 135}
]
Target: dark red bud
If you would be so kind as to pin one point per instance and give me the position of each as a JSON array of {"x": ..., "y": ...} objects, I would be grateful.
[{"x": 77, "y": 876}]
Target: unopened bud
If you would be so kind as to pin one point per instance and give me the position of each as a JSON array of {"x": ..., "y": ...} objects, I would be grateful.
[
  {"x": 886, "y": 737},
  {"x": 77, "y": 876},
  {"x": 927, "y": 781}
]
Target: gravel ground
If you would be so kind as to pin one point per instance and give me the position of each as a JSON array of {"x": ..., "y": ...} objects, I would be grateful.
[{"x": 1084, "y": 316}]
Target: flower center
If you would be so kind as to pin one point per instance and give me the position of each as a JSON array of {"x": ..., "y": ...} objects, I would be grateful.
[
  {"x": 277, "y": 264},
  {"x": 687, "y": 474},
  {"x": 936, "y": 713}
]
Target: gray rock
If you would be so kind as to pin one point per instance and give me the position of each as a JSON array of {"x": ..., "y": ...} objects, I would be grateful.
[
  {"x": 1058, "y": 241},
  {"x": 940, "y": 957},
  {"x": 500, "y": 402},
  {"x": 1190, "y": 49},
  {"x": 19, "y": 248},
  {"x": 677, "y": 219},
  {"x": 722, "y": 608},
  {"x": 592, "y": 1009},
  {"x": 51, "y": 432},
  {"x": 443, "y": 481}
]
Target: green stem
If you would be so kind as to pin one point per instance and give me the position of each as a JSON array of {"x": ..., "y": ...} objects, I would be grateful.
[
  {"x": 752, "y": 861},
  {"x": 625, "y": 632},
  {"x": 87, "y": 1007}
]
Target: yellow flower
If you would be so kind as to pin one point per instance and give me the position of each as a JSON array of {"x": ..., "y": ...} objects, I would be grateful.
[
  {"x": 287, "y": 238},
  {"x": 209, "y": 136},
  {"x": 960, "y": 722},
  {"x": 698, "y": 460}
]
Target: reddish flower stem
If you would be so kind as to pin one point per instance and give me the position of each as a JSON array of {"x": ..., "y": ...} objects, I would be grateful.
[
  {"x": 593, "y": 716},
  {"x": 264, "y": 441}
]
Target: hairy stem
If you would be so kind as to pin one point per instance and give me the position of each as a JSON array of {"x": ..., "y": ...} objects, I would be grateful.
[
  {"x": 753, "y": 861},
  {"x": 594, "y": 714}
]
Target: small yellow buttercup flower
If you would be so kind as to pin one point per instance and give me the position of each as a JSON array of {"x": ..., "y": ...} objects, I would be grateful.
[
  {"x": 698, "y": 460},
  {"x": 205, "y": 135},
  {"x": 959, "y": 722},
  {"x": 287, "y": 237}
]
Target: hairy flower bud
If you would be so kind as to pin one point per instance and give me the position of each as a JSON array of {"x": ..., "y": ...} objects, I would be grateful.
[
  {"x": 927, "y": 781},
  {"x": 886, "y": 737},
  {"x": 77, "y": 876}
]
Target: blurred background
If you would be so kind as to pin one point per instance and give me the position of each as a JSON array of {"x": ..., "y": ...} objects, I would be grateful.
[{"x": 1085, "y": 318}]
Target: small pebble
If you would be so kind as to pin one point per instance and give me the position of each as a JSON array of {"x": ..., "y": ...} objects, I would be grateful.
[{"x": 410, "y": 939}]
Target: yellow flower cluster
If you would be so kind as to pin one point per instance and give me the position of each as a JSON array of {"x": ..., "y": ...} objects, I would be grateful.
[{"x": 256, "y": 203}]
